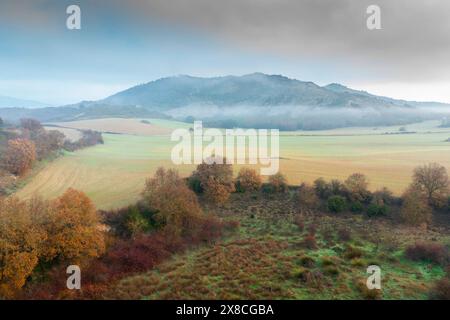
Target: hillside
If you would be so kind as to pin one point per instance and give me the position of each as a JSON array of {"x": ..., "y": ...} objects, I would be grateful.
[{"x": 253, "y": 100}]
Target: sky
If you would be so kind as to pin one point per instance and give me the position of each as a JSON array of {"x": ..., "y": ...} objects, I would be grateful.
[{"x": 125, "y": 43}]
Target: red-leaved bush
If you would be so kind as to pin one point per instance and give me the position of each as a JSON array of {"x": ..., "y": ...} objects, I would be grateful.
[{"x": 433, "y": 252}]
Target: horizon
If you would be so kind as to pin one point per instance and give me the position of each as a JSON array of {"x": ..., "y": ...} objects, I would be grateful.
[{"x": 212, "y": 77}]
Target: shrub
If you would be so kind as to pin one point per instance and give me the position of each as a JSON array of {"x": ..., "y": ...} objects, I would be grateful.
[
  {"x": 368, "y": 294},
  {"x": 344, "y": 234},
  {"x": 310, "y": 242},
  {"x": 383, "y": 196},
  {"x": 248, "y": 180},
  {"x": 375, "y": 210},
  {"x": 441, "y": 290},
  {"x": 336, "y": 204},
  {"x": 322, "y": 189},
  {"x": 352, "y": 253},
  {"x": 415, "y": 209},
  {"x": 356, "y": 207},
  {"x": 278, "y": 182},
  {"x": 299, "y": 221},
  {"x": 307, "y": 198},
  {"x": 19, "y": 156},
  {"x": 432, "y": 252},
  {"x": 307, "y": 262}
]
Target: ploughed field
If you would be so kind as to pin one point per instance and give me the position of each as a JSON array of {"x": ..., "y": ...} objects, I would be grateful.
[{"x": 113, "y": 174}]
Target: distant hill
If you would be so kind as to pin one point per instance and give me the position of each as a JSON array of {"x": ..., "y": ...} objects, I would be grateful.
[
  {"x": 10, "y": 102},
  {"x": 253, "y": 100},
  {"x": 255, "y": 89}
]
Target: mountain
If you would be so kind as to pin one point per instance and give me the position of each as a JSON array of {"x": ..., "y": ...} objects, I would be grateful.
[
  {"x": 255, "y": 100},
  {"x": 10, "y": 102},
  {"x": 255, "y": 89}
]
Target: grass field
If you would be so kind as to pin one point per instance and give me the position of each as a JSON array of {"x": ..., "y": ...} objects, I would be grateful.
[
  {"x": 113, "y": 174},
  {"x": 267, "y": 259}
]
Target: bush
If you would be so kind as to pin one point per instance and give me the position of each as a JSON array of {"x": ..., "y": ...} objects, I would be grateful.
[
  {"x": 375, "y": 210},
  {"x": 278, "y": 182},
  {"x": 356, "y": 207},
  {"x": 19, "y": 156},
  {"x": 336, "y": 204},
  {"x": 307, "y": 198},
  {"x": 368, "y": 294},
  {"x": 353, "y": 253},
  {"x": 344, "y": 234},
  {"x": 441, "y": 290},
  {"x": 322, "y": 189},
  {"x": 299, "y": 221},
  {"x": 384, "y": 196},
  {"x": 248, "y": 180},
  {"x": 310, "y": 242},
  {"x": 432, "y": 252}
]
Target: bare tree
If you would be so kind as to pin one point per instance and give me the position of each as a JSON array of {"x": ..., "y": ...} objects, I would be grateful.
[{"x": 432, "y": 180}]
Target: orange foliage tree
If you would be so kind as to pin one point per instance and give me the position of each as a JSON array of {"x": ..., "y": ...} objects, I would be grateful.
[
  {"x": 216, "y": 179},
  {"x": 21, "y": 240},
  {"x": 176, "y": 205},
  {"x": 19, "y": 156},
  {"x": 248, "y": 180},
  {"x": 74, "y": 229}
]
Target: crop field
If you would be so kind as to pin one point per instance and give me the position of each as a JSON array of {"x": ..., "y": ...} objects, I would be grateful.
[{"x": 113, "y": 174}]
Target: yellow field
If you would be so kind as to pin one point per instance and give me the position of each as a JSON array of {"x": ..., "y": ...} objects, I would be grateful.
[{"x": 113, "y": 174}]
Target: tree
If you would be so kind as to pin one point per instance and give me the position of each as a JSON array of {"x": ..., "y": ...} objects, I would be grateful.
[
  {"x": 74, "y": 229},
  {"x": 322, "y": 188},
  {"x": 356, "y": 185},
  {"x": 19, "y": 156},
  {"x": 432, "y": 180},
  {"x": 248, "y": 180},
  {"x": 307, "y": 198},
  {"x": 175, "y": 204},
  {"x": 2, "y": 123},
  {"x": 336, "y": 204},
  {"x": 278, "y": 182},
  {"x": 21, "y": 239},
  {"x": 216, "y": 179},
  {"x": 415, "y": 209}
]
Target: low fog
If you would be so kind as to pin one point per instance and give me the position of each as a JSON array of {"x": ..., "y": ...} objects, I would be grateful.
[{"x": 307, "y": 118}]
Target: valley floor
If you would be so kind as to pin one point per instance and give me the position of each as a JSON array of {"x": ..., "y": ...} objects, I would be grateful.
[{"x": 113, "y": 174}]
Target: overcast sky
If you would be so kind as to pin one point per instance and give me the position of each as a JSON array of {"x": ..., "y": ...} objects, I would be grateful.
[{"x": 126, "y": 43}]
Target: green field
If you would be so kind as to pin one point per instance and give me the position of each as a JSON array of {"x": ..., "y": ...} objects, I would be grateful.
[{"x": 113, "y": 174}]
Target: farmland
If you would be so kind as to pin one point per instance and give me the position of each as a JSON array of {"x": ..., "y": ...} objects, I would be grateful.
[{"x": 113, "y": 174}]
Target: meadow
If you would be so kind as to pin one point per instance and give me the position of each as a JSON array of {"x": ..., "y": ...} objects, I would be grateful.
[{"x": 113, "y": 174}]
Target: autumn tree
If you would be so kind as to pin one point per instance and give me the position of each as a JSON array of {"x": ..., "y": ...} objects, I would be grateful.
[
  {"x": 74, "y": 229},
  {"x": 432, "y": 180},
  {"x": 176, "y": 205},
  {"x": 356, "y": 185},
  {"x": 415, "y": 209},
  {"x": 248, "y": 180},
  {"x": 19, "y": 156},
  {"x": 216, "y": 179},
  {"x": 21, "y": 240},
  {"x": 278, "y": 182}
]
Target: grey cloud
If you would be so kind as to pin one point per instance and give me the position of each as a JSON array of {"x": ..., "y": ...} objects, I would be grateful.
[{"x": 414, "y": 43}]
